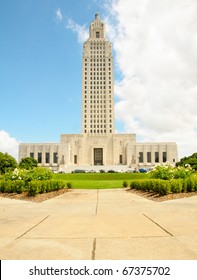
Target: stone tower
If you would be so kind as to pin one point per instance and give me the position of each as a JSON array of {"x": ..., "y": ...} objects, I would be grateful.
[{"x": 97, "y": 82}]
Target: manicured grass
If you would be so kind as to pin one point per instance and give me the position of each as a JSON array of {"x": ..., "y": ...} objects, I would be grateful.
[{"x": 98, "y": 180}]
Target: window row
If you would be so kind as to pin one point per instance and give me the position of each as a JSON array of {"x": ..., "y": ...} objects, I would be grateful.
[
  {"x": 97, "y": 87},
  {"x": 47, "y": 157},
  {"x": 98, "y": 120},
  {"x": 94, "y": 116},
  {"x": 97, "y": 52},
  {"x": 96, "y": 47},
  {"x": 99, "y": 131},
  {"x": 156, "y": 158},
  {"x": 96, "y": 77},
  {"x": 98, "y": 92},
  {"x": 97, "y": 83},
  {"x": 97, "y": 126},
  {"x": 94, "y": 73}
]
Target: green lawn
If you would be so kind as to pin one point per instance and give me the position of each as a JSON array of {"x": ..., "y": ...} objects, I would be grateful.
[{"x": 98, "y": 180}]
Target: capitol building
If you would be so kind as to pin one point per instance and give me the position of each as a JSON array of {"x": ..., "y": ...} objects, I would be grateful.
[{"x": 98, "y": 146}]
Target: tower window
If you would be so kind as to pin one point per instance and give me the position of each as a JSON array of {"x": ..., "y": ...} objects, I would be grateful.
[
  {"x": 39, "y": 157},
  {"x": 32, "y": 155},
  {"x": 47, "y": 157},
  {"x": 97, "y": 35},
  {"x": 55, "y": 158},
  {"x": 141, "y": 157}
]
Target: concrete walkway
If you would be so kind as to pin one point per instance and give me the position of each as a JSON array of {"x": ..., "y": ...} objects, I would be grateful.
[{"x": 98, "y": 225}]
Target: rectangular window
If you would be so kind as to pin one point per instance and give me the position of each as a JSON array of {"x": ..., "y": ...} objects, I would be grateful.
[
  {"x": 164, "y": 156},
  {"x": 75, "y": 159},
  {"x": 97, "y": 34},
  {"x": 47, "y": 157},
  {"x": 149, "y": 157},
  {"x": 120, "y": 159},
  {"x": 39, "y": 157},
  {"x": 98, "y": 156},
  {"x": 141, "y": 157},
  {"x": 55, "y": 158},
  {"x": 156, "y": 156},
  {"x": 32, "y": 155}
]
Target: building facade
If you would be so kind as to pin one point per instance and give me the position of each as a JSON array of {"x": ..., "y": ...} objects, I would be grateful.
[{"x": 98, "y": 146}]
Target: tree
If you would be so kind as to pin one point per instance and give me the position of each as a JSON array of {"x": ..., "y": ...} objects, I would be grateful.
[
  {"x": 191, "y": 160},
  {"x": 7, "y": 163},
  {"x": 28, "y": 163}
]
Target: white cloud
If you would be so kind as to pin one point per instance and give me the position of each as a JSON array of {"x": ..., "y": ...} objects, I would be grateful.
[
  {"x": 8, "y": 144},
  {"x": 58, "y": 14},
  {"x": 80, "y": 30},
  {"x": 155, "y": 45}
]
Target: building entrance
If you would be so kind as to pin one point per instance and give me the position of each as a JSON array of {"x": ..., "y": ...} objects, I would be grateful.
[{"x": 98, "y": 156}]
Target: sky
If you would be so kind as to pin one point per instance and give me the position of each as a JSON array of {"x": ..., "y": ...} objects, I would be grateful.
[{"x": 155, "y": 55}]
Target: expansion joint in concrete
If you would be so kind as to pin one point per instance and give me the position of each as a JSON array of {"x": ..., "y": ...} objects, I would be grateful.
[
  {"x": 32, "y": 227},
  {"x": 93, "y": 249},
  {"x": 158, "y": 225},
  {"x": 97, "y": 200}
]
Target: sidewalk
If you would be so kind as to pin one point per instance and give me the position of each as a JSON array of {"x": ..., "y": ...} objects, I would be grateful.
[{"x": 98, "y": 224}]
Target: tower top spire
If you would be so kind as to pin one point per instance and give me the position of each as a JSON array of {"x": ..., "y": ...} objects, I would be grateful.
[
  {"x": 97, "y": 16},
  {"x": 97, "y": 28}
]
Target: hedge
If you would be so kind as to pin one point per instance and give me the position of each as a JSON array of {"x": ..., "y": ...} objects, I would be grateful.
[
  {"x": 164, "y": 187},
  {"x": 32, "y": 187},
  {"x": 18, "y": 186},
  {"x": 36, "y": 187}
]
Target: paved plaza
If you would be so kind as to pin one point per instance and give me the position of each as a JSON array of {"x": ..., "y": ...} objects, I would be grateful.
[{"x": 98, "y": 225}]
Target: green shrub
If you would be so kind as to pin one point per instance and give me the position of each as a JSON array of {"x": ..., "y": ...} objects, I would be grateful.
[
  {"x": 19, "y": 186},
  {"x": 164, "y": 172},
  {"x": 2, "y": 186},
  {"x": 125, "y": 184},
  {"x": 191, "y": 184},
  {"x": 177, "y": 185},
  {"x": 167, "y": 172},
  {"x": 8, "y": 187},
  {"x": 184, "y": 185},
  {"x": 161, "y": 187},
  {"x": 69, "y": 185},
  {"x": 36, "y": 187},
  {"x": 33, "y": 188},
  {"x": 37, "y": 173}
]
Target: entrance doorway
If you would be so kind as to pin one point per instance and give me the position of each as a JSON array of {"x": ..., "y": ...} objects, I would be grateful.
[{"x": 98, "y": 156}]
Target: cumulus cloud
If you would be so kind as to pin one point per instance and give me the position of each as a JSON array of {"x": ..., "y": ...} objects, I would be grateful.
[
  {"x": 58, "y": 15},
  {"x": 80, "y": 30},
  {"x": 8, "y": 144},
  {"x": 155, "y": 46}
]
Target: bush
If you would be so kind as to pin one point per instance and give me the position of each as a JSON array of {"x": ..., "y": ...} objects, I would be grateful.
[
  {"x": 33, "y": 188},
  {"x": 12, "y": 186},
  {"x": 191, "y": 184},
  {"x": 164, "y": 172},
  {"x": 37, "y": 173},
  {"x": 69, "y": 185},
  {"x": 161, "y": 187},
  {"x": 7, "y": 163},
  {"x": 125, "y": 184},
  {"x": 36, "y": 187},
  {"x": 28, "y": 163},
  {"x": 167, "y": 172},
  {"x": 177, "y": 185}
]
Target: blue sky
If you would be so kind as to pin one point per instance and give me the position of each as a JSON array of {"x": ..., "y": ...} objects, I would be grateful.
[
  {"x": 154, "y": 45},
  {"x": 40, "y": 69}
]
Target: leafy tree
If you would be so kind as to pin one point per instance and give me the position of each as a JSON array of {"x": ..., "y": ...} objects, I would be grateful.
[
  {"x": 28, "y": 163},
  {"x": 190, "y": 160},
  {"x": 7, "y": 163}
]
